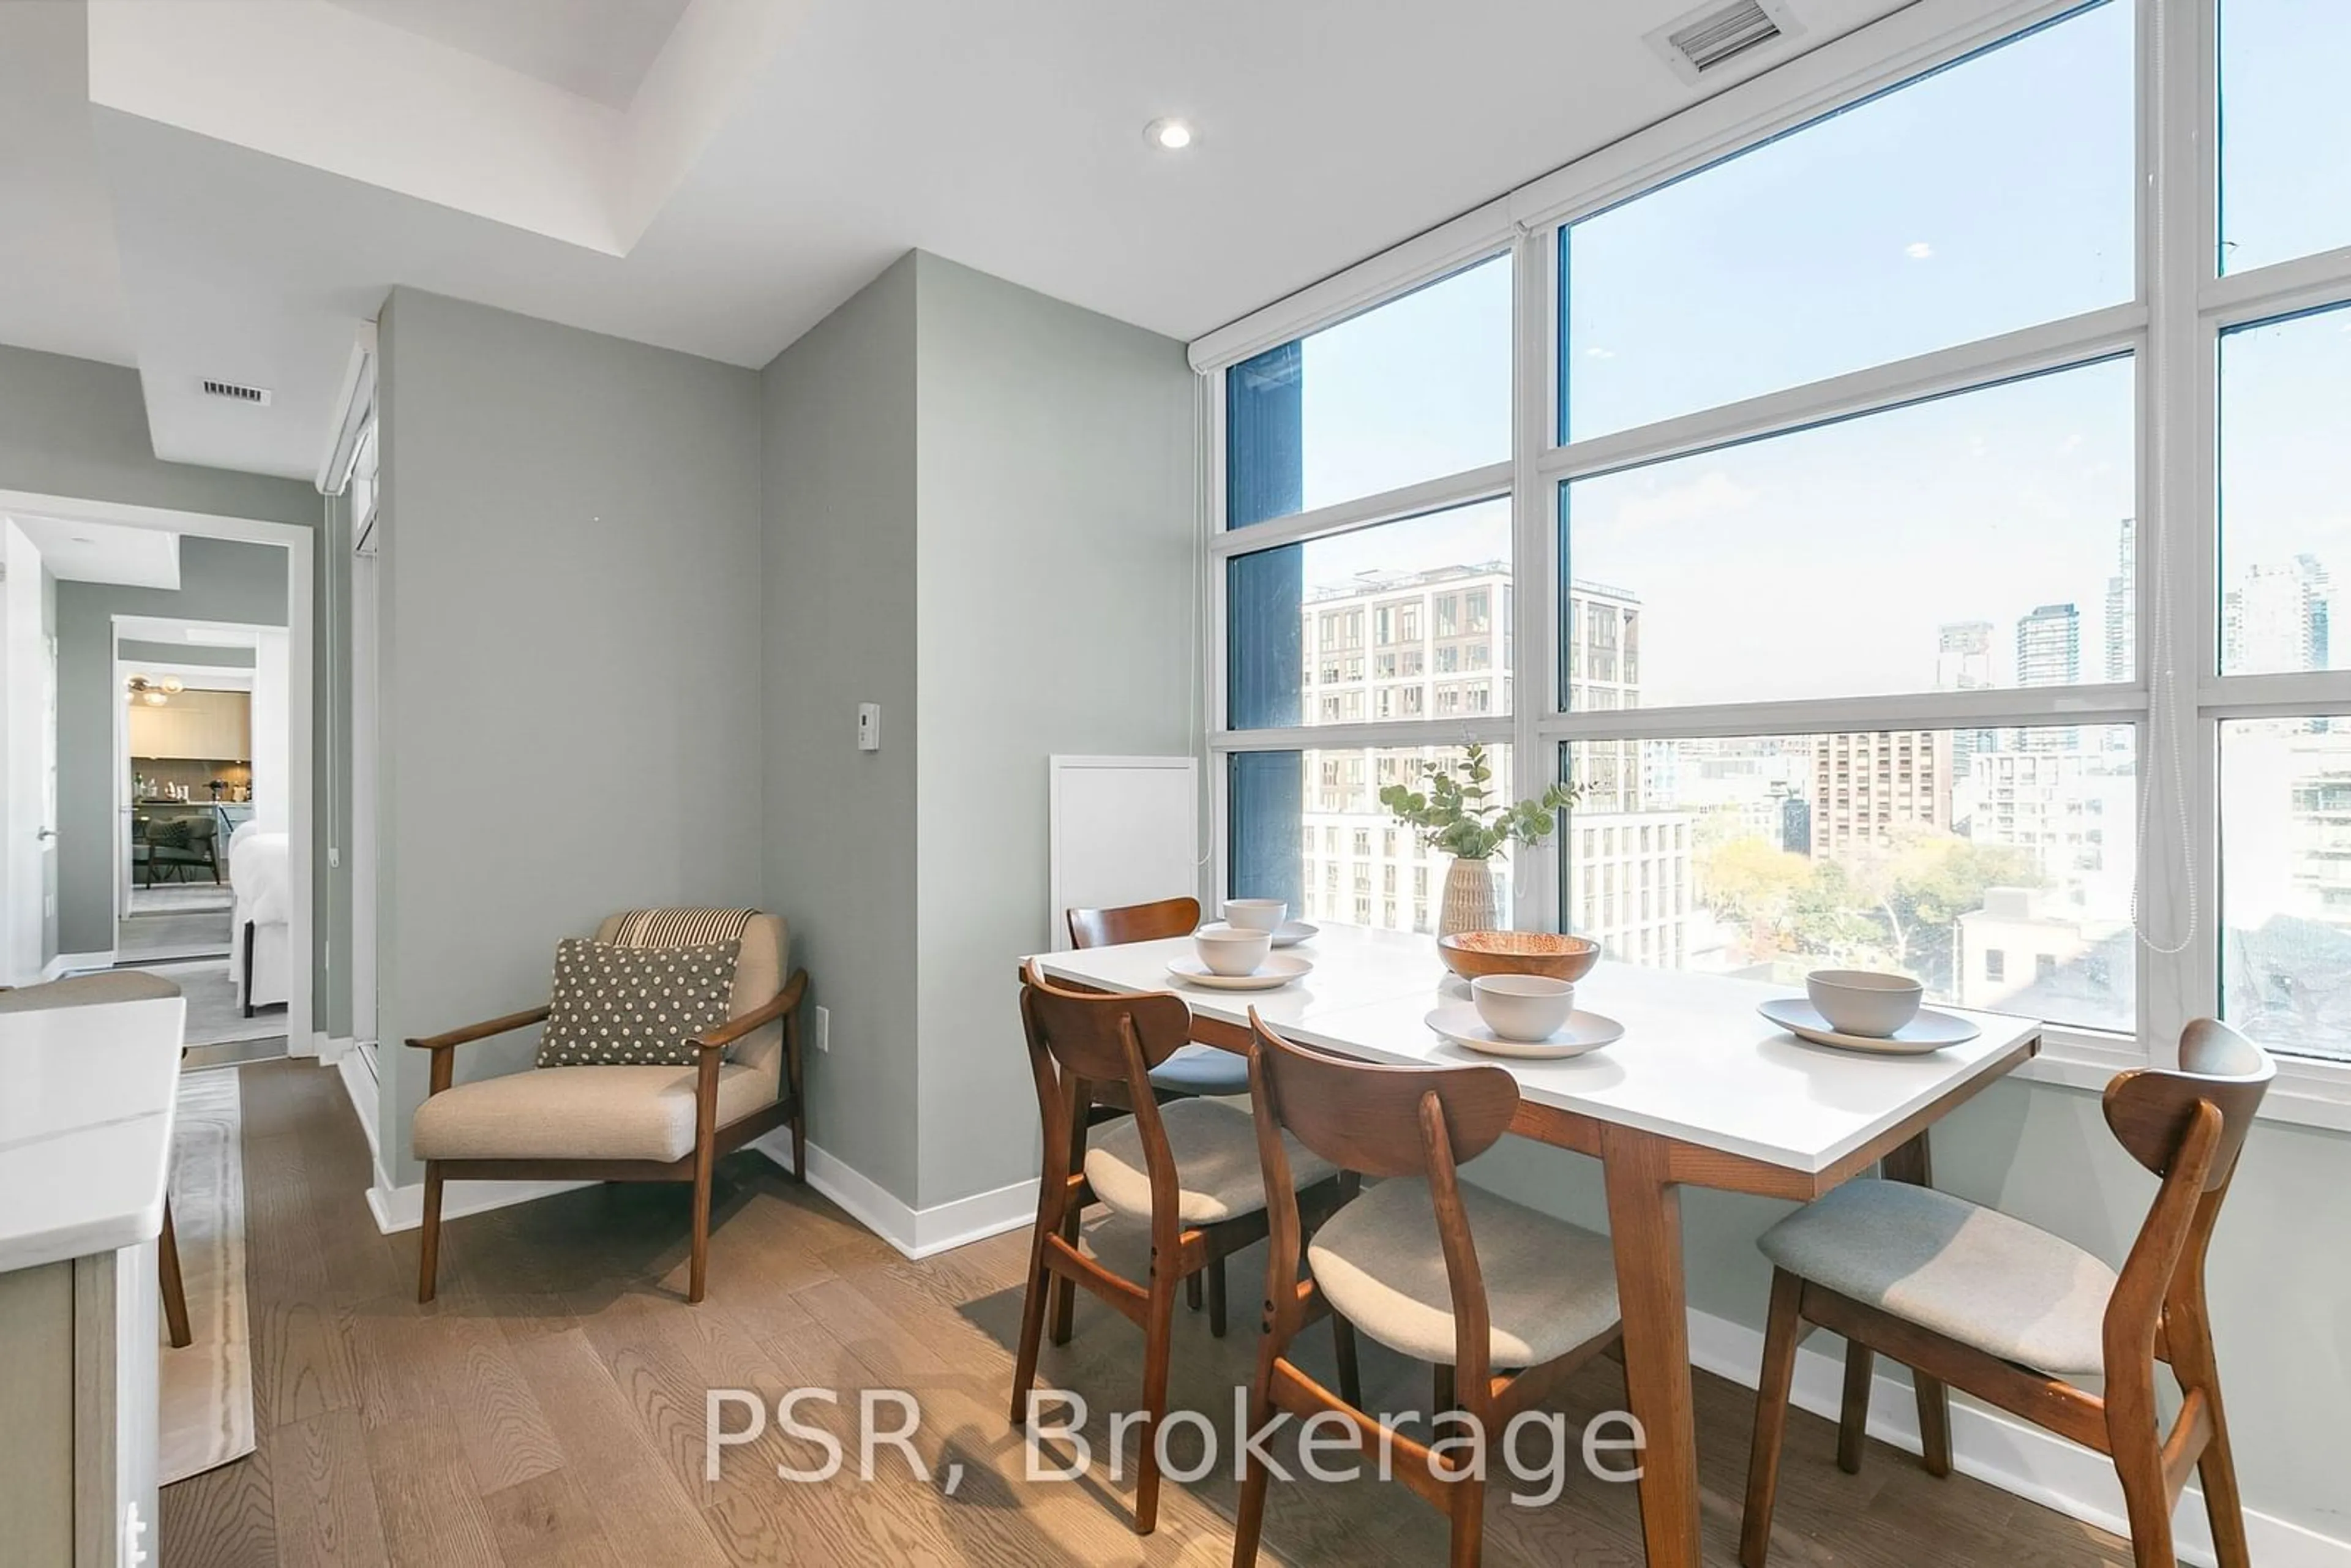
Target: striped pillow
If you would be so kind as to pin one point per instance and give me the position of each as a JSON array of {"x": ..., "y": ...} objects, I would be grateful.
[{"x": 681, "y": 927}]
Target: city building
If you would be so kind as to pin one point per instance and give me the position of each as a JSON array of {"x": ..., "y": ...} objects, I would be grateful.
[
  {"x": 2277, "y": 618},
  {"x": 1963, "y": 663},
  {"x": 2016, "y": 955},
  {"x": 2075, "y": 810},
  {"x": 1867, "y": 785},
  {"x": 2049, "y": 653},
  {"x": 2122, "y": 606},
  {"x": 1436, "y": 644}
]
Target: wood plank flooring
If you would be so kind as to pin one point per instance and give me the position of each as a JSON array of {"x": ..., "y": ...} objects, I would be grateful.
[{"x": 549, "y": 1407}]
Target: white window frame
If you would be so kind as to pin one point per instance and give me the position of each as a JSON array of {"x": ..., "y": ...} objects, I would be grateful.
[{"x": 2170, "y": 327}]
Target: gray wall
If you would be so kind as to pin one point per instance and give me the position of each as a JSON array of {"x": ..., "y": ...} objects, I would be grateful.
[
  {"x": 839, "y": 630},
  {"x": 571, "y": 680},
  {"x": 981, "y": 515},
  {"x": 135, "y": 652},
  {"x": 220, "y": 579},
  {"x": 78, "y": 428},
  {"x": 1057, "y": 535}
]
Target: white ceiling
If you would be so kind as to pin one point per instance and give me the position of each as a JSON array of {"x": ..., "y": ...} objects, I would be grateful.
[
  {"x": 767, "y": 160},
  {"x": 599, "y": 49},
  {"x": 105, "y": 552}
]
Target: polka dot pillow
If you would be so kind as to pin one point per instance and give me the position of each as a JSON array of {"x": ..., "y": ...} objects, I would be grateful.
[{"x": 623, "y": 1007}]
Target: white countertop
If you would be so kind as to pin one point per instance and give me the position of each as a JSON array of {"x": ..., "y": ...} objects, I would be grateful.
[
  {"x": 89, "y": 1096},
  {"x": 1696, "y": 1063}
]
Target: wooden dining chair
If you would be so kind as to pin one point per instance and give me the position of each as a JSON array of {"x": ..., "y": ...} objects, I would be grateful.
[
  {"x": 1191, "y": 1167},
  {"x": 1195, "y": 1069},
  {"x": 1968, "y": 1297},
  {"x": 1435, "y": 1270}
]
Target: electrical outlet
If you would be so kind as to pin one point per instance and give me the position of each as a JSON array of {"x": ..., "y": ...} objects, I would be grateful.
[{"x": 821, "y": 1027}]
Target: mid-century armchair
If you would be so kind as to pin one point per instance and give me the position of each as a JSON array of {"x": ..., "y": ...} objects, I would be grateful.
[{"x": 626, "y": 1122}]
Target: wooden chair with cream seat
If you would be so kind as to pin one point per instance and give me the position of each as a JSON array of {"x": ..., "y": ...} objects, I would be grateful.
[
  {"x": 1970, "y": 1298},
  {"x": 1433, "y": 1268},
  {"x": 627, "y": 1123},
  {"x": 96, "y": 990},
  {"x": 1188, "y": 1167}
]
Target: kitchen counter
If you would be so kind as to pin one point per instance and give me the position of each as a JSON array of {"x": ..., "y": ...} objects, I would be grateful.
[{"x": 87, "y": 1098}]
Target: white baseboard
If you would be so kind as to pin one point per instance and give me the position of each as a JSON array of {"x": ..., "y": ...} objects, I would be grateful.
[
  {"x": 2003, "y": 1452},
  {"x": 402, "y": 1207},
  {"x": 77, "y": 962},
  {"x": 330, "y": 1049},
  {"x": 359, "y": 1082},
  {"x": 916, "y": 1232}
]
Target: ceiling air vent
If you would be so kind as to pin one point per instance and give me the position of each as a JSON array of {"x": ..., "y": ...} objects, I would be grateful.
[
  {"x": 237, "y": 393},
  {"x": 1713, "y": 36}
]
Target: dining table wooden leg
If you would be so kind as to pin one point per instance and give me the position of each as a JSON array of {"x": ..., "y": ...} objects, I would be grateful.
[{"x": 1645, "y": 1224}]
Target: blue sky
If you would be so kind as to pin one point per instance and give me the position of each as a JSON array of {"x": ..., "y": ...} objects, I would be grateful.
[{"x": 1992, "y": 196}]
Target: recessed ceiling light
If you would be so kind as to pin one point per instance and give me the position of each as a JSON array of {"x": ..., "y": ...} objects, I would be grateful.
[{"x": 1172, "y": 135}]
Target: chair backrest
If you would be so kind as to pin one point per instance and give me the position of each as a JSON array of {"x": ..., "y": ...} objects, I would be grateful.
[
  {"x": 1382, "y": 1121},
  {"x": 1370, "y": 1118},
  {"x": 1078, "y": 1039},
  {"x": 1134, "y": 923},
  {"x": 2152, "y": 1111},
  {"x": 2187, "y": 1126},
  {"x": 760, "y": 964}
]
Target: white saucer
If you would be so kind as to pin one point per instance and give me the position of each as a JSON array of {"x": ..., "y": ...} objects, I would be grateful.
[
  {"x": 1930, "y": 1030},
  {"x": 1294, "y": 932},
  {"x": 1460, "y": 1022},
  {"x": 1278, "y": 970}
]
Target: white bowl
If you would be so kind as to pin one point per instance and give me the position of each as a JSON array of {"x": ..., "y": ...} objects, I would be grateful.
[
  {"x": 1858, "y": 1001},
  {"x": 1231, "y": 950},
  {"x": 1523, "y": 1007},
  {"x": 1256, "y": 914}
]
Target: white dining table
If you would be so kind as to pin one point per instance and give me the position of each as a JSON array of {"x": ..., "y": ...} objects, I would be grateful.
[{"x": 1699, "y": 1091}]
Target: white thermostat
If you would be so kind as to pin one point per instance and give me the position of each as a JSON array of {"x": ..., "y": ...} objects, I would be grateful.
[{"x": 869, "y": 727}]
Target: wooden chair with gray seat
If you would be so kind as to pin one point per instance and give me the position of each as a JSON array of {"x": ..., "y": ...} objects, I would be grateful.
[
  {"x": 96, "y": 990},
  {"x": 1433, "y": 1268},
  {"x": 1970, "y": 1298},
  {"x": 1188, "y": 1168},
  {"x": 627, "y": 1123}
]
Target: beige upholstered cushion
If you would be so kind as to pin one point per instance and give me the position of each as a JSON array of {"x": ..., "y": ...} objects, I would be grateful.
[
  {"x": 1549, "y": 1285},
  {"x": 1967, "y": 1272},
  {"x": 1216, "y": 1172},
  {"x": 760, "y": 972},
  {"x": 581, "y": 1114},
  {"x": 88, "y": 991}
]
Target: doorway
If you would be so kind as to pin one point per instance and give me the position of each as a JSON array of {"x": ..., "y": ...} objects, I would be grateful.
[{"x": 207, "y": 620}]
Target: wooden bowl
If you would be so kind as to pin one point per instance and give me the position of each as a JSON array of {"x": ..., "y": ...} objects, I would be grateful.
[{"x": 1470, "y": 953}]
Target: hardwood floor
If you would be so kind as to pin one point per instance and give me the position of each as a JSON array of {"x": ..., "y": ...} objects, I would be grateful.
[{"x": 549, "y": 1407}]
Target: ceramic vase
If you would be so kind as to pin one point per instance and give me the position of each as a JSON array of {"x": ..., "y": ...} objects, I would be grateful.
[{"x": 1469, "y": 902}]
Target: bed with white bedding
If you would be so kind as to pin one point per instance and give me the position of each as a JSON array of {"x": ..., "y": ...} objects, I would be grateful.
[{"x": 261, "y": 933}]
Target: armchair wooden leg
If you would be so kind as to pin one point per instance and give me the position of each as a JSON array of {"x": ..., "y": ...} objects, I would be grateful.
[
  {"x": 1853, "y": 1424},
  {"x": 428, "y": 1266},
  {"x": 699, "y": 1270},
  {"x": 1782, "y": 1334},
  {"x": 176, "y": 1295}
]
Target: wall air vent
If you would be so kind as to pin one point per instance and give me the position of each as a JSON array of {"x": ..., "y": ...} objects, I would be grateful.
[
  {"x": 236, "y": 392},
  {"x": 1711, "y": 37}
]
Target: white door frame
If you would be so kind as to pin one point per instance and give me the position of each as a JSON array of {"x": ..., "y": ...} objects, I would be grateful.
[{"x": 299, "y": 541}]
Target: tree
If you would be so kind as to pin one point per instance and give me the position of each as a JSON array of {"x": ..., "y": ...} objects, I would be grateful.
[
  {"x": 1754, "y": 882},
  {"x": 1919, "y": 882}
]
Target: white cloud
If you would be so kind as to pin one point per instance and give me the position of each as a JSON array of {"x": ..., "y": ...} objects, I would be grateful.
[
  {"x": 1597, "y": 353},
  {"x": 1705, "y": 496},
  {"x": 1918, "y": 250}
]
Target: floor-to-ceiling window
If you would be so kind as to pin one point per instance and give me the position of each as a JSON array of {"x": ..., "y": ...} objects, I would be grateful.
[{"x": 1911, "y": 526}]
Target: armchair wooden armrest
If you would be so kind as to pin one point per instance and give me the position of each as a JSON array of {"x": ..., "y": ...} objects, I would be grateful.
[
  {"x": 766, "y": 1013},
  {"x": 441, "y": 1045}
]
